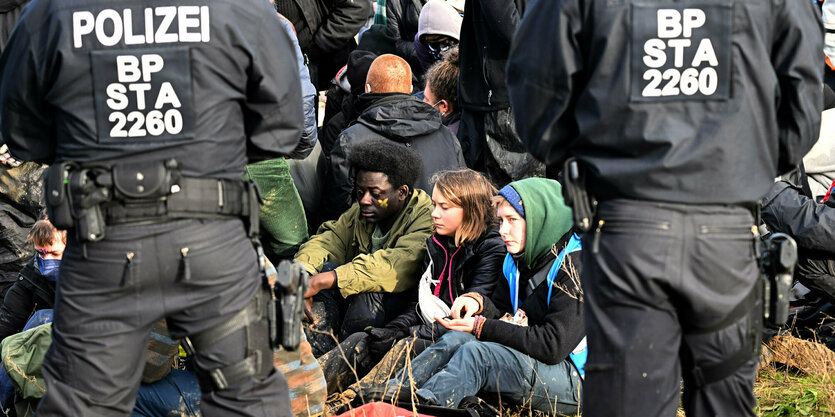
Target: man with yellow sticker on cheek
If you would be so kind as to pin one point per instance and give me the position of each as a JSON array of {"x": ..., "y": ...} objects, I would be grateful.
[{"x": 362, "y": 264}]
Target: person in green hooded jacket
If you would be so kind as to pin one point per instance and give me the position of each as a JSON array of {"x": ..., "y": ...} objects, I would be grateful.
[{"x": 525, "y": 342}]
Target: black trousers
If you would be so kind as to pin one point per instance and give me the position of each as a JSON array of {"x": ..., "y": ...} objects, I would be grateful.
[
  {"x": 652, "y": 273},
  {"x": 107, "y": 303}
]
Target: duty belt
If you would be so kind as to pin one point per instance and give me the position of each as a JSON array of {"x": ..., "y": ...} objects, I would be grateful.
[
  {"x": 89, "y": 197},
  {"x": 191, "y": 198}
]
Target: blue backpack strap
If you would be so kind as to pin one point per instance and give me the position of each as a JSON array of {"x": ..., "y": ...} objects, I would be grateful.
[
  {"x": 511, "y": 273},
  {"x": 574, "y": 244},
  {"x": 579, "y": 356}
]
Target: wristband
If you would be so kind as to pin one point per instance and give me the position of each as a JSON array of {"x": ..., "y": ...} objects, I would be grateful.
[
  {"x": 478, "y": 324},
  {"x": 478, "y": 298}
]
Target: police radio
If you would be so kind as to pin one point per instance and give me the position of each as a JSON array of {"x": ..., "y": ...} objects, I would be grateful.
[{"x": 777, "y": 265}]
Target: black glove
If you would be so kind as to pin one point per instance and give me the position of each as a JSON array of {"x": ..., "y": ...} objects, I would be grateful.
[{"x": 381, "y": 339}]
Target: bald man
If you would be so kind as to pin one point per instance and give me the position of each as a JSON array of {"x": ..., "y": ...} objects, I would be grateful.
[{"x": 393, "y": 114}]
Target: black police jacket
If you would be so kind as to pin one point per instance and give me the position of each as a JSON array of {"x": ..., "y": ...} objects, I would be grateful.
[
  {"x": 208, "y": 83},
  {"x": 701, "y": 102},
  {"x": 30, "y": 293},
  {"x": 486, "y": 32}
]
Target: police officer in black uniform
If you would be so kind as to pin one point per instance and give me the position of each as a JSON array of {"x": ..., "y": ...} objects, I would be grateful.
[
  {"x": 149, "y": 110},
  {"x": 681, "y": 113}
]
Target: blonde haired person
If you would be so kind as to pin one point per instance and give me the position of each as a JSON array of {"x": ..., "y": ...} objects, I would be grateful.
[{"x": 464, "y": 255}]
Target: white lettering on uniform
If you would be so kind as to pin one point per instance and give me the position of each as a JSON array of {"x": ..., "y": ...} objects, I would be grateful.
[
  {"x": 127, "y": 68},
  {"x": 678, "y": 46},
  {"x": 204, "y": 26},
  {"x": 693, "y": 19},
  {"x": 168, "y": 14},
  {"x": 167, "y": 95},
  {"x": 166, "y": 24},
  {"x": 677, "y": 28},
  {"x": 130, "y": 38},
  {"x": 151, "y": 63},
  {"x": 655, "y": 56},
  {"x": 82, "y": 24},
  {"x": 669, "y": 23},
  {"x": 705, "y": 52},
  {"x": 117, "y": 99},
  {"x": 140, "y": 89},
  {"x": 187, "y": 22},
  {"x": 149, "y": 26},
  {"x": 103, "y": 17}
]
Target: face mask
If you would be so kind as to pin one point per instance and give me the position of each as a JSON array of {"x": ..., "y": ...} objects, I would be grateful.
[
  {"x": 49, "y": 268},
  {"x": 436, "y": 49}
]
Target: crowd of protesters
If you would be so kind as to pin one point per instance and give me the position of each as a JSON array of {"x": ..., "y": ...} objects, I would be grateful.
[{"x": 443, "y": 260}]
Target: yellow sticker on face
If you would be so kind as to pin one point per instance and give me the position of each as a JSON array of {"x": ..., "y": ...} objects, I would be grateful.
[{"x": 383, "y": 203}]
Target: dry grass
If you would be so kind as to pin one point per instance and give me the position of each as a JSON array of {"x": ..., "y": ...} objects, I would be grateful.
[{"x": 796, "y": 378}]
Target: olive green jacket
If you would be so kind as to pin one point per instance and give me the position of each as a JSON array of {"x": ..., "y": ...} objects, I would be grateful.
[{"x": 346, "y": 241}]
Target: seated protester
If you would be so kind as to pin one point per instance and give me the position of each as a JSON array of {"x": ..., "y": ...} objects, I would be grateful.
[
  {"x": 361, "y": 263},
  {"x": 394, "y": 115},
  {"x": 525, "y": 342},
  {"x": 441, "y": 91},
  {"x": 35, "y": 287},
  {"x": 464, "y": 255},
  {"x": 789, "y": 208},
  {"x": 439, "y": 28}
]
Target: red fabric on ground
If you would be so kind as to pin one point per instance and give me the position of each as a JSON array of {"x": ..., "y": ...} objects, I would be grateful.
[{"x": 379, "y": 409}]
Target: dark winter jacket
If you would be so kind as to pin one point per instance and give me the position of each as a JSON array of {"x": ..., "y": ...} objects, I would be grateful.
[
  {"x": 554, "y": 329},
  {"x": 475, "y": 268},
  {"x": 403, "y": 119},
  {"x": 402, "y": 17},
  {"x": 788, "y": 209},
  {"x": 326, "y": 25},
  {"x": 486, "y": 32},
  {"x": 30, "y": 293}
]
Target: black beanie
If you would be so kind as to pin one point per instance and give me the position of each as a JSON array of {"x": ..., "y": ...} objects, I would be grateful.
[{"x": 358, "y": 64}]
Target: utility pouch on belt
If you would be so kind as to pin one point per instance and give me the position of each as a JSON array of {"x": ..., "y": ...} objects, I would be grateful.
[
  {"x": 583, "y": 206},
  {"x": 145, "y": 180},
  {"x": 57, "y": 198},
  {"x": 777, "y": 265},
  {"x": 288, "y": 305}
]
